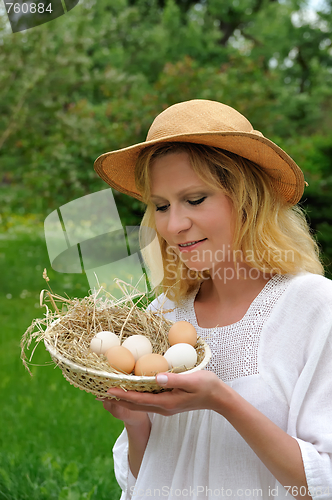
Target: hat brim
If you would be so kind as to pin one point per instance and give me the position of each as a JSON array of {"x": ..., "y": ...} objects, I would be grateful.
[{"x": 117, "y": 168}]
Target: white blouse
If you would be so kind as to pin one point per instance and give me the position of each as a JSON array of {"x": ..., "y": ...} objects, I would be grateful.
[{"x": 279, "y": 358}]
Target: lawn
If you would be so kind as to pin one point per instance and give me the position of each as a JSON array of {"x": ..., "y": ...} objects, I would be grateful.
[{"x": 55, "y": 440}]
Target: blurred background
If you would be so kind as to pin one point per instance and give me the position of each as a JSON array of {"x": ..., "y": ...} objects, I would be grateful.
[{"x": 92, "y": 81}]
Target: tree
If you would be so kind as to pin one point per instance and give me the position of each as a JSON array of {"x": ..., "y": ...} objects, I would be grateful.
[{"x": 94, "y": 79}]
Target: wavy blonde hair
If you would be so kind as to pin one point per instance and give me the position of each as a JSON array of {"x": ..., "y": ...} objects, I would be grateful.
[{"x": 267, "y": 228}]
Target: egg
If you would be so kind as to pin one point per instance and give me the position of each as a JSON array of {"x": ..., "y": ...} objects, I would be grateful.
[
  {"x": 104, "y": 341},
  {"x": 182, "y": 332},
  {"x": 120, "y": 359},
  {"x": 150, "y": 364},
  {"x": 138, "y": 345},
  {"x": 181, "y": 357}
]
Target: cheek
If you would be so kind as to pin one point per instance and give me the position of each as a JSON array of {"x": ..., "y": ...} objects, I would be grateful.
[
  {"x": 221, "y": 226},
  {"x": 160, "y": 226}
]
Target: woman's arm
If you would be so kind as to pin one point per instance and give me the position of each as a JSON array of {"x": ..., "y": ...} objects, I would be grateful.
[
  {"x": 138, "y": 436},
  {"x": 279, "y": 452},
  {"x": 138, "y": 426}
]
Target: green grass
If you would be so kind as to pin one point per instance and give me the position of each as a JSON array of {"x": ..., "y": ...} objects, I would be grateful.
[{"x": 55, "y": 440}]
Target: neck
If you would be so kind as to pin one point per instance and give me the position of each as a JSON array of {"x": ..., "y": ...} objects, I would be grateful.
[{"x": 231, "y": 284}]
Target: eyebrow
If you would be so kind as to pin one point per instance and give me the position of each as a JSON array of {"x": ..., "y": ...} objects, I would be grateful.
[{"x": 182, "y": 192}]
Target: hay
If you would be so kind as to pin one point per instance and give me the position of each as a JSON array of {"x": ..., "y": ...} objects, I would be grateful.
[{"x": 68, "y": 329}]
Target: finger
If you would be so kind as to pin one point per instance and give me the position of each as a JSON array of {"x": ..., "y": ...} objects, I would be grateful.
[
  {"x": 142, "y": 401},
  {"x": 116, "y": 409},
  {"x": 117, "y": 392},
  {"x": 141, "y": 408},
  {"x": 176, "y": 381},
  {"x": 136, "y": 397},
  {"x": 114, "y": 405}
]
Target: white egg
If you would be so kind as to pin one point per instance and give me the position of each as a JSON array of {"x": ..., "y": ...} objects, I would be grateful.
[
  {"x": 138, "y": 345},
  {"x": 104, "y": 341},
  {"x": 181, "y": 357}
]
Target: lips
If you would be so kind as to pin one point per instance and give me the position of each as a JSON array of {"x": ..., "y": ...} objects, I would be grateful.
[{"x": 190, "y": 243}]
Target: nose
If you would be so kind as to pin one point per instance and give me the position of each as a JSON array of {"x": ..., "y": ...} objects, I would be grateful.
[{"x": 178, "y": 220}]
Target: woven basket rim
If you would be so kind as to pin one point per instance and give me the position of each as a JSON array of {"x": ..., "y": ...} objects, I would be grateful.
[{"x": 121, "y": 376}]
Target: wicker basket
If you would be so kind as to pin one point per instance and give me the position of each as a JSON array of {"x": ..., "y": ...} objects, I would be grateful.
[
  {"x": 98, "y": 382},
  {"x": 69, "y": 331}
]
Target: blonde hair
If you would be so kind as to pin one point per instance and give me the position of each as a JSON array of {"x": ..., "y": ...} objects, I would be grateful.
[{"x": 267, "y": 228}]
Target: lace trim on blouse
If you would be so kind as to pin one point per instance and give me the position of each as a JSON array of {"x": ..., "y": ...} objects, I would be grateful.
[{"x": 234, "y": 347}]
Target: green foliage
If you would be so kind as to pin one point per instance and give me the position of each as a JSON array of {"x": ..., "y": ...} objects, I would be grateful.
[
  {"x": 55, "y": 440},
  {"x": 90, "y": 82},
  {"x": 94, "y": 79},
  {"x": 315, "y": 157}
]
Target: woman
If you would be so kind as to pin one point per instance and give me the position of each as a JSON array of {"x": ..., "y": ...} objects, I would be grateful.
[{"x": 239, "y": 264}]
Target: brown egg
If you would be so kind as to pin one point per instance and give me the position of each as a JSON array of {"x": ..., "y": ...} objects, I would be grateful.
[
  {"x": 182, "y": 332},
  {"x": 120, "y": 359},
  {"x": 150, "y": 364}
]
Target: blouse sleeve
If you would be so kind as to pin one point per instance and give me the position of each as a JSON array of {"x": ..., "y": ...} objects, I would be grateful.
[
  {"x": 296, "y": 360},
  {"x": 122, "y": 470},
  {"x": 314, "y": 427}
]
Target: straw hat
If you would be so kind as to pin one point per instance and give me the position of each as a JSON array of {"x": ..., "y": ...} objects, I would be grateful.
[{"x": 210, "y": 123}]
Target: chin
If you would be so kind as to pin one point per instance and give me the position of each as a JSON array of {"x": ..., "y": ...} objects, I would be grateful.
[{"x": 199, "y": 268}]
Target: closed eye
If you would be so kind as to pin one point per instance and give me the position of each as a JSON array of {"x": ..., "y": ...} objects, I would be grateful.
[
  {"x": 197, "y": 202},
  {"x": 163, "y": 208}
]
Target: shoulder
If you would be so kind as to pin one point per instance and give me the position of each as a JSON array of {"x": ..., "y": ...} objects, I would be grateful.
[
  {"x": 302, "y": 317},
  {"x": 163, "y": 306},
  {"x": 297, "y": 337},
  {"x": 308, "y": 279},
  {"x": 311, "y": 291}
]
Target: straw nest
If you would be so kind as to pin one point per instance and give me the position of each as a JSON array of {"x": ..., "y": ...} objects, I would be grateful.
[{"x": 68, "y": 329}]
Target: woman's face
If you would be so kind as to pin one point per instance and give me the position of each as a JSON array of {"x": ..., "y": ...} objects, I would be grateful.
[{"x": 196, "y": 220}]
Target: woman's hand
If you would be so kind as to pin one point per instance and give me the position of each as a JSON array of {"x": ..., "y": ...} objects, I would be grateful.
[
  {"x": 192, "y": 391},
  {"x": 138, "y": 427},
  {"x": 129, "y": 417}
]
